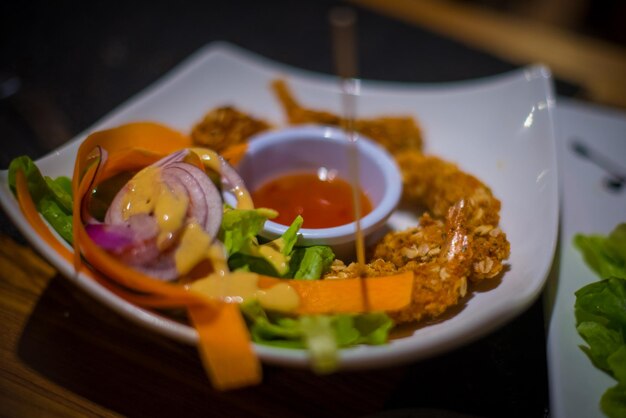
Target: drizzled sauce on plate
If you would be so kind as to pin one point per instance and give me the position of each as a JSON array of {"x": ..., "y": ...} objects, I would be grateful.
[{"x": 322, "y": 199}]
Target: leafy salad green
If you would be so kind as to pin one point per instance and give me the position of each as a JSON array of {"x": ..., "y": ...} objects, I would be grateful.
[
  {"x": 53, "y": 197},
  {"x": 322, "y": 335},
  {"x": 601, "y": 312}
]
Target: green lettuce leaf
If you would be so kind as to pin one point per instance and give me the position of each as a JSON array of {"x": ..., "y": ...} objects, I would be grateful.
[
  {"x": 600, "y": 310},
  {"x": 617, "y": 364},
  {"x": 240, "y": 227},
  {"x": 59, "y": 189},
  {"x": 290, "y": 237},
  {"x": 279, "y": 257},
  {"x": 310, "y": 263},
  {"x": 613, "y": 402},
  {"x": 319, "y": 335},
  {"x": 373, "y": 328},
  {"x": 606, "y": 255},
  {"x": 603, "y": 302},
  {"x": 322, "y": 335},
  {"x": 36, "y": 183},
  {"x": 57, "y": 217},
  {"x": 278, "y": 332},
  {"x": 52, "y": 197}
]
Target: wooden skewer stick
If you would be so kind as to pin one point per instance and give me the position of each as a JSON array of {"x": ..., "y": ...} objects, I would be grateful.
[{"x": 343, "y": 24}]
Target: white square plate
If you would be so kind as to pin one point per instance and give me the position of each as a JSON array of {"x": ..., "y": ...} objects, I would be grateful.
[
  {"x": 500, "y": 129},
  {"x": 588, "y": 207}
]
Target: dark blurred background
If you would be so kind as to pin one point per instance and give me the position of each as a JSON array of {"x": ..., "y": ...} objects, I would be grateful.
[
  {"x": 64, "y": 65},
  {"x": 602, "y": 19}
]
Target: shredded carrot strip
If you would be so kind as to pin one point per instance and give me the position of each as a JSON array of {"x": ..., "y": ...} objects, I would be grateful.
[
  {"x": 145, "y": 135},
  {"x": 235, "y": 153},
  {"x": 127, "y": 160},
  {"x": 385, "y": 294},
  {"x": 229, "y": 363},
  {"x": 79, "y": 190}
]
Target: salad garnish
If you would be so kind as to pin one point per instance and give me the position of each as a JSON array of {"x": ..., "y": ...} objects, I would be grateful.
[
  {"x": 52, "y": 197},
  {"x": 601, "y": 312},
  {"x": 149, "y": 219}
]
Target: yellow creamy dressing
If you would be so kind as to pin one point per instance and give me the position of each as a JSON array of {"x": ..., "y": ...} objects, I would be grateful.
[
  {"x": 170, "y": 211},
  {"x": 148, "y": 194},
  {"x": 280, "y": 297},
  {"x": 238, "y": 287},
  {"x": 217, "y": 255},
  {"x": 211, "y": 160},
  {"x": 193, "y": 247},
  {"x": 271, "y": 252},
  {"x": 142, "y": 189},
  {"x": 244, "y": 200}
]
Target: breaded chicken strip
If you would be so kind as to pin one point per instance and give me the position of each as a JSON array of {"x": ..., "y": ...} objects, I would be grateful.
[
  {"x": 436, "y": 185},
  {"x": 395, "y": 133},
  {"x": 225, "y": 127},
  {"x": 439, "y": 282}
]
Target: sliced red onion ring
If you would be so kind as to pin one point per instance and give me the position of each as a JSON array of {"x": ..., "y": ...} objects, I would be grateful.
[
  {"x": 231, "y": 180},
  {"x": 114, "y": 214},
  {"x": 114, "y": 238},
  {"x": 204, "y": 207},
  {"x": 230, "y": 177},
  {"x": 172, "y": 158},
  {"x": 205, "y": 202},
  {"x": 102, "y": 156},
  {"x": 162, "y": 267},
  {"x": 133, "y": 240}
]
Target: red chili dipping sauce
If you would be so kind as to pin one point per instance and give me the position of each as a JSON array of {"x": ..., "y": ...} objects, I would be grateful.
[{"x": 323, "y": 201}]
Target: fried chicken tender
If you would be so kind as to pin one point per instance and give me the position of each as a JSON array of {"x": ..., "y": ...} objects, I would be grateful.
[
  {"x": 420, "y": 244},
  {"x": 441, "y": 280},
  {"x": 224, "y": 127},
  {"x": 376, "y": 268},
  {"x": 457, "y": 240},
  {"x": 392, "y": 132},
  {"x": 437, "y": 185}
]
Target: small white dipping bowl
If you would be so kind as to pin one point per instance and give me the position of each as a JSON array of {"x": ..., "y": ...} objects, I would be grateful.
[{"x": 306, "y": 149}]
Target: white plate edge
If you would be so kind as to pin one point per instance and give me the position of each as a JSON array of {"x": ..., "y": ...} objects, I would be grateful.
[{"x": 188, "y": 335}]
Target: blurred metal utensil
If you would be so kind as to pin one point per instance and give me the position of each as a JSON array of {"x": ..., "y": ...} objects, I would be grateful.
[{"x": 616, "y": 174}]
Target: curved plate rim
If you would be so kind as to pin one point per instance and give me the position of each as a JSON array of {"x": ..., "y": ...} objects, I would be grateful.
[{"x": 397, "y": 351}]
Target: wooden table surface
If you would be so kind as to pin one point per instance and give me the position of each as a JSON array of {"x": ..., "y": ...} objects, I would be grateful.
[
  {"x": 597, "y": 66},
  {"x": 63, "y": 354}
]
